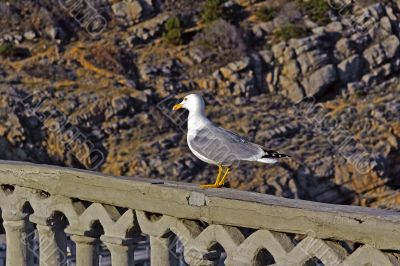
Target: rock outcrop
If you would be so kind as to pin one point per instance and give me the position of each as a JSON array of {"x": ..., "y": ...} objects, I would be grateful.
[{"x": 323, "y": 88}]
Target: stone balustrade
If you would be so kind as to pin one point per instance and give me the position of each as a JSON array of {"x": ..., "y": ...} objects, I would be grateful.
[{"x": 61, "y": 205}]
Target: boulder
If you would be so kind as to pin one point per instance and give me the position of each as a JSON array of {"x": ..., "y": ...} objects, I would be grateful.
[
  {"x": 390, "y": 46},
  {"x": 344, "y": 48},
  {"x": 312, "y": 60},
  {"x": 278, "y": 49},
  {"x": 374, "y": 55},
  {"x": 376, "y": 10},
  {"x": 319, "y": 81},
  {"x": 334, "y": 27},
  {"x": 291, "y": 69},
  {"x": 319, "y": 30},
  {"x": 380, "y": 53},
  {"x": 295, "y": 92},
  {"x": 349, "y": 69},
  {"x": 130, "y": 10},
  {"x": 370, "y": 79},
  {"x": 226, "y": 72},
  {"x": 30, "y": 35},
  {"x": 386, "y": 26},
  {"x": 239, "y": 65},
  {"x": 390, "y": 13},
  {"x": 291, "y": 89},
  {"x": 304, "y": 44}
]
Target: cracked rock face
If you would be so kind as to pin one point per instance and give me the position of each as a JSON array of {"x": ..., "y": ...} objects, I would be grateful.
[{"x": 325, "y": 91}]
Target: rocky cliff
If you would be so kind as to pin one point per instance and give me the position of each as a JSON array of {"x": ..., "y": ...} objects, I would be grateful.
[{"x": 90, "y": 84}]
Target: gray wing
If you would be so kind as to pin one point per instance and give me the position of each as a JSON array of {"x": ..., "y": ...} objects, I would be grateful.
[{"x": 223, "y": 146}]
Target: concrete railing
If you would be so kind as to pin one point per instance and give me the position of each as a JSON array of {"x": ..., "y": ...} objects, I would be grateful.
[{"x": 61, "y": 205}]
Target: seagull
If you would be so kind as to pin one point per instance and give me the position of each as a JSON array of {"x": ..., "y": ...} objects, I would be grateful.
[{"x": 214, "y": 145}]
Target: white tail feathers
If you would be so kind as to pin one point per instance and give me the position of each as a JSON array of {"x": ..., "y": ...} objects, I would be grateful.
[{"x": 267, "y": 160}]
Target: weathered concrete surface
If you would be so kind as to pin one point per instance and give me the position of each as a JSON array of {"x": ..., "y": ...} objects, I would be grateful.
[{"x": 378, "y": 228}]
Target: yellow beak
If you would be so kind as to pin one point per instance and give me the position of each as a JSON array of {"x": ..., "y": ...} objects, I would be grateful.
[{"x": 177, "y": 107}]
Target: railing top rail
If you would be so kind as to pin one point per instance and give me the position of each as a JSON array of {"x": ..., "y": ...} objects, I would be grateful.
[{"x": 379, "y": 228}]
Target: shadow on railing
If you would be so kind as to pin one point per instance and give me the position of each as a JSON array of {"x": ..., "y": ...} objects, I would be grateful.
[{"x": 75, "y": 213}]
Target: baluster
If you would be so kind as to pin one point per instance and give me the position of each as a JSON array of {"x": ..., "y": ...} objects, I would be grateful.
[
  {"x": 19, "y": 234},
  {"x": 121, "y": 250},
  {"x": 161, "y": 238},
  {"x": 86, "y": 250},
  {"x": 161, "y": 253},
  {"x": 52, "y": 241}
]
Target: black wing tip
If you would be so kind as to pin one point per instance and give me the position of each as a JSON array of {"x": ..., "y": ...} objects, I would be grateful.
[{"x": 274, "y": 154}]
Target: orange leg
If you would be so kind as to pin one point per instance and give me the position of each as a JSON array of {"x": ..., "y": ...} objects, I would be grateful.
[
  {"x": 217, "y": 181},
  {"x": 222, "y": 181}
]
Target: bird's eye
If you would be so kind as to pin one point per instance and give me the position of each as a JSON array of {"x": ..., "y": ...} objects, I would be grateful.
[{"x": 185, "y": 99}]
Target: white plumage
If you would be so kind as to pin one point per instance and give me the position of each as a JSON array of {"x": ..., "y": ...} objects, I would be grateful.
[{"x": 215, "y": 145}]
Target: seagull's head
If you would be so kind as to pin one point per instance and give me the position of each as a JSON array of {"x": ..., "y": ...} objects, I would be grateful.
[{"x": 191, "y": 102}]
